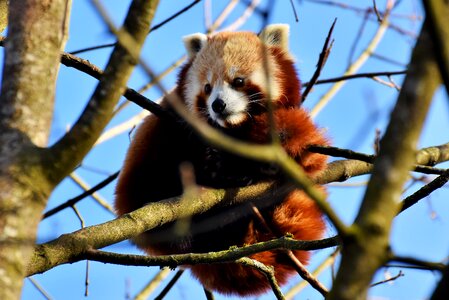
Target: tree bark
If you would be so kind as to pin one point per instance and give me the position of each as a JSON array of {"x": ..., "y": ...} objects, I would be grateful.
[
  {"x": 28, "y": 171},
  {"x": 366, "y": 248},
  {"x": 32, "y": 55}
]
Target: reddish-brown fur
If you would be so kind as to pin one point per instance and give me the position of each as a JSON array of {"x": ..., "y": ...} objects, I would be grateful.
[{"x": 151, "y": 173}]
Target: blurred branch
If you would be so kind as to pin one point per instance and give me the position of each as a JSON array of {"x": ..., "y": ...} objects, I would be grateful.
[
  {"x": 244, "y": 17},
  {"x": 41, "y": 290},
  {"x": 436, "y": 18},
  {"x": 3, "y": 14},
  {"x": 369, "y": 244},
  {"x": 356, "y": 64},
  {"x": 83, "y": 185},
  {"x": 153, "y": 284},
  {"x": 223, "y": 15},
  {"x": 125, "y": 126}
]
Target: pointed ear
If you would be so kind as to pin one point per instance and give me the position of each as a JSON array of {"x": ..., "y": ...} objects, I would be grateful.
[
  {"x": 276, "y": 35},
  {"x": 194, "y": 43}
]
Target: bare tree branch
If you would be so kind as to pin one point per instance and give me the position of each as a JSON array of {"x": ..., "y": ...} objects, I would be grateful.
[
  {"x": 321, "y": 61},
  {"x": 3, "y": 15},
  {"x": 367, "y": 248},
  {"x": 356, "y": 64},
  {"x": 73, "y": 247},
  {"x": 35, "y": 38},
  {"x": 436, "y": 17}
]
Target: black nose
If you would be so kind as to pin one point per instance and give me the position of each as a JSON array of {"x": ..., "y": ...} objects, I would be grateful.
[{"x": 218, "y": 106}]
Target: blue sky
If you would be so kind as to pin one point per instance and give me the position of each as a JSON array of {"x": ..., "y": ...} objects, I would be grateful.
[{"x": 350, "y": 119}]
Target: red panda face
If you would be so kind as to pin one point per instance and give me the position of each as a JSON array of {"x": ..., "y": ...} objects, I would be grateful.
[{"x": 231, "y": 75}]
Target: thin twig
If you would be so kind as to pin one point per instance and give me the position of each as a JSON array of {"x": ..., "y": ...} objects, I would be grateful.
[
  {"x": 83, "y": 195},
  {"x": 294, "y": 11},
  {"x": 355, "y": 66},
  {"x": 223, "y": 15},
  {"x": 325, "y": 51},
  {"x": 400, "y": 274},
  {"x": 155, "y": 27},
  {"x": 168, "y": 287},
  {"x": 153, "y": 284},
  {"x": 376, "y": 11},
  {"x": 174, "y": 16},
  {"x": 323, "y": 266},
  {"x": 86, "y": 281},
  {"x": 82, "y": 184},
  {"x": 41, "y": 290},
  {"x": 358, "y": 36},
  {"x": 425, "y": 190},
  {"x": 244, "y": 17},
  {"x": 267, "y": 271}
]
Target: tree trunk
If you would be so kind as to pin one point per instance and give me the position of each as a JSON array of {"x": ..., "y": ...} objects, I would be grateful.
[{"x": 32, "y": 55}]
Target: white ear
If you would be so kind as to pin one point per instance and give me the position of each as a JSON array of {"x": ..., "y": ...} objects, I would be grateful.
[
  {"x": 276, "y": 35},
  {"x": 194, "y": 43}
]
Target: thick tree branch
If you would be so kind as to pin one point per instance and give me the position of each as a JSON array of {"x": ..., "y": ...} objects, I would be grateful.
[
  {"x": 35, "y": 37},
  {"x": 71, "y": 148},
  {"x": 436, "y": 17},
  {"x": 72, "y": 247},
  {"x": 3, "y": 14},
  {"x": 367, "y": 249}
]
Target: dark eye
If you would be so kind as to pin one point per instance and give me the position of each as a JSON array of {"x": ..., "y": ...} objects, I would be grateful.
[
  {"x": 238, "y": 82},
  {"x": 207, "y": 88}
]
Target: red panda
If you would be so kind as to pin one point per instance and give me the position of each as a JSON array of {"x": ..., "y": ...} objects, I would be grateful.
[{"x": 228, "y": 80}]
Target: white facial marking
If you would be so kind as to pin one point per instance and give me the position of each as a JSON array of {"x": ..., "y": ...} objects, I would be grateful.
[
  {"x": 193, "y": 88},
  {"x": 232, "y": 71},
  {"x": 209, "y": 77},
  {"x": 236, "y": 104},
  {"x": 269, "y": 85}
]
